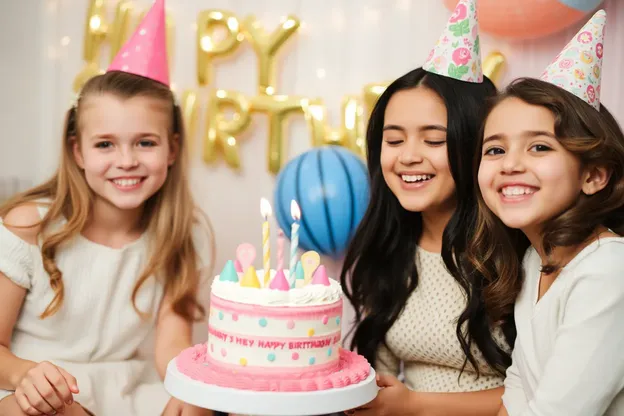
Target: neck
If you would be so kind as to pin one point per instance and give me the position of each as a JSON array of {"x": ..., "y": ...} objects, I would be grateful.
[
  {"x": 433, "y": 224},
  {"x": 107, "y": 217}
]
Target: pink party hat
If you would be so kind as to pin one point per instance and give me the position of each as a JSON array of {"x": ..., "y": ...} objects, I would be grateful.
[
  {"x": 578, "y": 67},
  {"x": 457, "y": 54},
  {"x": 320, "y": 277},
  {"x": 145, "y": 54}
]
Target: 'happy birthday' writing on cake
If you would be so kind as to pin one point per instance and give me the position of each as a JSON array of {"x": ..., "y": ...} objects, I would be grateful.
[{"x": 275, "y": 344}]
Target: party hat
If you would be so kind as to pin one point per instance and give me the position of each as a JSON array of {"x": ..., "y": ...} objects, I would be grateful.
[
  {"x": 145, "y": 54},
  {"x": 457, "y": 54},
  {"x": 578, "y": 67}
]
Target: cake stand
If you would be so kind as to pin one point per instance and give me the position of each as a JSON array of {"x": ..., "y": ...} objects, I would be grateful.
[{"x": 260, "y": 403}]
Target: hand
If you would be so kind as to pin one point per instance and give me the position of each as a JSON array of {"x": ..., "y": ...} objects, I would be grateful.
[
  {"x": 45, "y": 390},
  {"x": 394, "y": 399},
  {"x": 176, "y": 407}
]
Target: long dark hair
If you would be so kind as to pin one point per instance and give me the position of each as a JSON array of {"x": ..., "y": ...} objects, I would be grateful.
[
  {"x": 379, "y": 271},
  {"x": 595, "y": 137}
]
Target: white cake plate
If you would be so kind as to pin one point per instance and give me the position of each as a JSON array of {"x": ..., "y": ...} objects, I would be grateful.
[{"x": 260, "y": 403}]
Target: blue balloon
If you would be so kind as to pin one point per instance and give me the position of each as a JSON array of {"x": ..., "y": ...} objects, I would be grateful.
[{"x": 331, "y": 186}]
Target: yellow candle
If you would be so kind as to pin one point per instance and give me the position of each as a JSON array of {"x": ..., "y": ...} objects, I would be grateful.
[{"x": 266, "y": 211}]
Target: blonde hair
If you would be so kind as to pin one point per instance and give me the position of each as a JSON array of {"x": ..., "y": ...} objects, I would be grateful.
[{"x": 169, "y": 216}]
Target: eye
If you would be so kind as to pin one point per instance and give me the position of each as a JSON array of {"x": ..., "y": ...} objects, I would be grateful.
[
  {"x": 541, "y": 148},
  {"x": 493, "y": 151},
  {"x": 435, "y": 143},
  {"x": 393, "y": 142},
  {"x": 147, "y": 143},
  {"x": 103, "y": 145}
]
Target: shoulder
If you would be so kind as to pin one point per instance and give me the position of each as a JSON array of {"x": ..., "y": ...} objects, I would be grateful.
[
  {"x": 24, "y": 221},
  {"x": 602, "y": 257}
]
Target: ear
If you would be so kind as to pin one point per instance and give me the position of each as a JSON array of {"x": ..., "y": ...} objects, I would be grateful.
[
  {"x": 595, "y": 179},
  {"x": 77, "y": 152},
  {"x": 174, "y": 148}
]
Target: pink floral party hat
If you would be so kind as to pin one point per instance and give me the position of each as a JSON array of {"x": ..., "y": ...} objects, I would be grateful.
[
  {"x": 457, "y": 54},
  {"x": 145, "y": 54},
  {"x": 578, "y": 67}
]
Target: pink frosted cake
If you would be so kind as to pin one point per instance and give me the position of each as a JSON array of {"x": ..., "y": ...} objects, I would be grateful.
[{"x": 279, "y": 335}]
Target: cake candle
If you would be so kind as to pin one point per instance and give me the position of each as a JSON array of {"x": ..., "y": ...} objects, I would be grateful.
[
  {"x": 295, "y": 212},
  {"x": 266, "y": 211},
  {"x": 280, "y": 249}
]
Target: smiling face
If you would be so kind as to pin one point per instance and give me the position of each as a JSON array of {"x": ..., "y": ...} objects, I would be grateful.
[
  {"x": 124, "y": 148},
  {"x": 526, "y": 176},
  {"x": 414, "y": 159}
]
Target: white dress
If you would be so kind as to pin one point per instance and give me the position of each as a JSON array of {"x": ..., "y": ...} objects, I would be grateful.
[
  {"x": 568, "y": 358},
  {"x": 96, "y": 335}
]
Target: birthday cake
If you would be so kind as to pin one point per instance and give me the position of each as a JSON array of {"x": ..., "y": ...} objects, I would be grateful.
[{"x": 280, "y": 332}]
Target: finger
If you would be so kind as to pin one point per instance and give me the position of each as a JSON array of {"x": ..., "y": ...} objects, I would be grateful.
[
  {"x": 71, "y": 380},
  {"x": 36, "y": 400},
  {"x": 25, "y": 405},
  {"x": 385, "y": 380},
  {"x": 48, "y": 392},
  {"x": 60, "y": 384}
]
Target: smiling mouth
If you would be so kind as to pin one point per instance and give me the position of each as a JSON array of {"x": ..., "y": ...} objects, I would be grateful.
[
  {"x": 127, "y": 183},
  {"x": 517, "y": 192},
  {"x": 416, "y": 178}
]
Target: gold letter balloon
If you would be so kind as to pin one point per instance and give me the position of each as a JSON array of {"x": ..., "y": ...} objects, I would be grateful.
[{"x": 228, "y": 112}]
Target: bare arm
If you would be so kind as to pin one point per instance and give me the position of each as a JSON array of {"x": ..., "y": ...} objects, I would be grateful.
[
  {"x": 12, "y": 368},
  {"x": 20, "y": 222},
  {"x": 173, "y": 334}
]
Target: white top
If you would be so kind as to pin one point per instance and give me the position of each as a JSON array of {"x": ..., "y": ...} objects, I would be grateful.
[
  {"x": 568, "y": 358},
  {"x": 96, "y": 335},
  {"x": 423, "y": 337}
]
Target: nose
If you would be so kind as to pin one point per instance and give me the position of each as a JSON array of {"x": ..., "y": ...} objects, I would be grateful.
[
  {"x": 127, "y": 158},
  {"x": 512, "y": 162},
  {"x": 410, "y": 153}
]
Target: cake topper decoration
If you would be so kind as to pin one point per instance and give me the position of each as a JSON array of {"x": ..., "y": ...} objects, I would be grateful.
[
  {"x": 229, "y": 274},
  {"x": 246, "y": 254},
  {"x": 320, "y": 277},
  {"x": 279, "y": 281},
  {"x": 250, "y": 278},
  {"x": 310, "y": 260}
]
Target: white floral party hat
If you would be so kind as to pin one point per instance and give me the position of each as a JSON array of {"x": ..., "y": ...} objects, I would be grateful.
[
  {"x": 578, "y": 67},
  {"x": 457, "y": 54}
]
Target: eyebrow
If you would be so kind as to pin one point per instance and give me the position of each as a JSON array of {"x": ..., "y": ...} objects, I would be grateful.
[
  {"x": 527, "y": 134},
  {"x": 108, "y": 136},
  {"x": 429, "y": 127}
]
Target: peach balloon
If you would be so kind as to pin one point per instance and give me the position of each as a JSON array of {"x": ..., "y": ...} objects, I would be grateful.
[{"x": 528, "y": 19}]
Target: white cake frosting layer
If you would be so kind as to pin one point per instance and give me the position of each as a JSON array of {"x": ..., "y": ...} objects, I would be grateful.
[{"x": 309, "y": 295}]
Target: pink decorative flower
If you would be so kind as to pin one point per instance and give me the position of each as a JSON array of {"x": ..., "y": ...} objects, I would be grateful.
[
  {"x": 585, "y": 37},
  {"x": 461, "y": 56},
  {"x": 591, "y": 93},
  {"x": 566, "y": 63},
  {"x": 459, "y": 13},
  {"x": 599, "y": 50},
  {"x": 430, "y": 55},
  {"x": 445, "y": 40}
]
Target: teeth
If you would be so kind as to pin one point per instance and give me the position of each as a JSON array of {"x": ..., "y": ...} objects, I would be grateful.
[
  {"x": 126, "y": 182},
  {"x": 517, "y": 190},
  {"x": 416, "y": 178}
]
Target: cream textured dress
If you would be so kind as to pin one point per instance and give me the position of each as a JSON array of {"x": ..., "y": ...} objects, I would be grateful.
[
  {"x": 423, "y": 337},
  {"x": 96, "y": 335}
]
